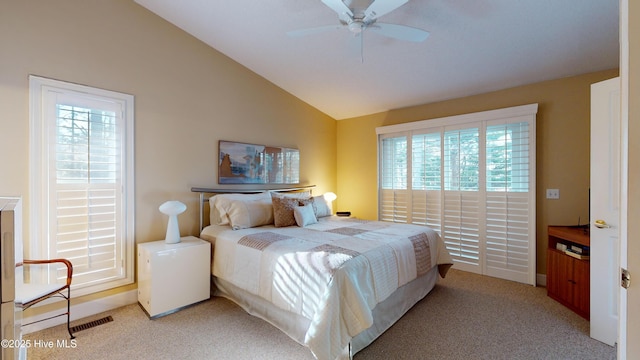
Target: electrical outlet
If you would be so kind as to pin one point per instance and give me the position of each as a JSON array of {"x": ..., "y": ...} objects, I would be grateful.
[{"x": 553, "y": 193}]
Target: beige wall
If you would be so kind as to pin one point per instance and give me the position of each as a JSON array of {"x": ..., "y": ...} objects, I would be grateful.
[
  {"x": 187, "y": 97},
  {"x": 562, "y": 148}
]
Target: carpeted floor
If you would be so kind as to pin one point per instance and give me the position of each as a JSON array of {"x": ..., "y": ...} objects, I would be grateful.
[{"x": 466, "y": 316}]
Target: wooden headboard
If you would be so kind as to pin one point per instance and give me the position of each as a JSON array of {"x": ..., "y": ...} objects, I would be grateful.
[{"x": 204, "y": 200}]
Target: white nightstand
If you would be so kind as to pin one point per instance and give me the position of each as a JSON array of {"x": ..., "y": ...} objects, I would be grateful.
[{"x": 172, "y": 276}]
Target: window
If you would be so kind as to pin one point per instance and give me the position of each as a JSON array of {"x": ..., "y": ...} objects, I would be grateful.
[
  {"x": 471, "y": 179},
  {"x": 394, "y": 177},
  {"x": 81, "y": 146}
]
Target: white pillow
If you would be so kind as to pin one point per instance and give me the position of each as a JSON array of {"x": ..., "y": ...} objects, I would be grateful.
[
  {"x": 245, "y": 214},
  {"x": 220, "y": 204},
  {"x": 304, "y": 215},
  {"x": 321, "y": 206}
]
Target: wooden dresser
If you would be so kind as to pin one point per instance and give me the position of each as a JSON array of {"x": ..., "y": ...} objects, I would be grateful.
[{"x": 568, "y": 276}]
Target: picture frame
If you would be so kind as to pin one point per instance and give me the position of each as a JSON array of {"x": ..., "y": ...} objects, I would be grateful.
[{"x": 245, "y": 163}]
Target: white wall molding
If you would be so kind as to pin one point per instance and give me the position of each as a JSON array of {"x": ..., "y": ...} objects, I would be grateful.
[
  {"x": 541, "y": 280},
  {"x": 80, "y": 311},
  {"x": 510, "y": 112}
]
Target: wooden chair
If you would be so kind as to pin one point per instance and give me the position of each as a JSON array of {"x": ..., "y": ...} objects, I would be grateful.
[{"x": 29, "y": 294}]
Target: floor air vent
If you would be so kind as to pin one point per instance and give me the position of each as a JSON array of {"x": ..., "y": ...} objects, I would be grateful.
[{"x": 91, "y": 324}]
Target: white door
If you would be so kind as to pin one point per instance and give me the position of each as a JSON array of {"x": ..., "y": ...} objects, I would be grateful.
[{"x": 605, "y": 206}]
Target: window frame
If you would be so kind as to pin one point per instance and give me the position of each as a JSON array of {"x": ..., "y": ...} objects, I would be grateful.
[
  {"x": 481, "y": 120},
  {"x": 40, "y": 116}
]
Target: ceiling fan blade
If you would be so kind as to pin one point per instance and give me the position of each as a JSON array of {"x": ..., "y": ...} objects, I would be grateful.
[
  {"x": 400, "y": 32},
  {"x": 314, "y": 30},
  {"x": 344, "y": 13},
  {"x": 381, "y": 7}
]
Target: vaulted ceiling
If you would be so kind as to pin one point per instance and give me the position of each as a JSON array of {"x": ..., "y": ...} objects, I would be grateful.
[{"x": 474, "y": 46}]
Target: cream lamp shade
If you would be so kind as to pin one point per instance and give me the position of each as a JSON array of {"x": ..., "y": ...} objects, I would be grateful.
[
  {"x": 173, "y": 209},
  {"x": 330, "y": 197}
]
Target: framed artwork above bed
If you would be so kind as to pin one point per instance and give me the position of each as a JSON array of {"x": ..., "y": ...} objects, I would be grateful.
[{"x": 242, "y": 163}]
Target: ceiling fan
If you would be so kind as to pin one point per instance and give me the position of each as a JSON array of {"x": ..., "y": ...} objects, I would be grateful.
[{"x": 357, "y": 18}]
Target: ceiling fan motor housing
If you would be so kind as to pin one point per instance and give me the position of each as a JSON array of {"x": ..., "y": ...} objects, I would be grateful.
[{"x": 360, "y": 15}]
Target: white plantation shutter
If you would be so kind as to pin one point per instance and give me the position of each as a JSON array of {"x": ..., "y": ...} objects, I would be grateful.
[
  {"x": 461, "y": 231},
  {"x": 426, "y": 165},
  {"x": 86, "y": 182},
  {"x": 508, "y": 236},
  {"x": 86, "y": 156},
  {"x": 427, "y": 208},
  {"x": 426, "y": 161},
  {"x": 393, "y": 206},
  {"x": 507, "y": 201},
  {"x": 394, "y": 198},
  {"x": 472, "y": 179},
  {"x": 461, "y": 159},
  {"x": 461, "y": 218}
]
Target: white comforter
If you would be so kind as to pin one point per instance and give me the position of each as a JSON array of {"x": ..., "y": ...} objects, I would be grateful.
[{"x": 333, "y": 272}]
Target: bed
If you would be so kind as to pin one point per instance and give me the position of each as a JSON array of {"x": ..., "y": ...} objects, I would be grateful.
[{"x": 333, "y": 284}]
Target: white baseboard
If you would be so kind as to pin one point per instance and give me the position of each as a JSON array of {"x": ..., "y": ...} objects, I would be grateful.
[
  {"x": 541, "y": 280},
  {"x": 81, "y": 311}
]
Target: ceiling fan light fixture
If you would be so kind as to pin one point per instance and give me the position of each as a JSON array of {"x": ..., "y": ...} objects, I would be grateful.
[
  {"x": 357, "y": 20},
  {"x": 356, "y": 27}
]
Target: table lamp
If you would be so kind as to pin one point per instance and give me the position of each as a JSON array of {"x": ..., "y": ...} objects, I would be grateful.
[{"x": 173, "y": 209}]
